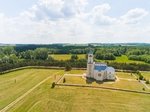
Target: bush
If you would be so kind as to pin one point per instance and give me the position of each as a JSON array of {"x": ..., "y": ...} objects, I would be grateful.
[
  {"x": 147, "y": 82},
  {"x": 68, "y": 67},
  {"x": 141, "y": 77},
  {"x": 53, "y": 85},
  {"x": 143, "y": 89},
  {"x": 74, "y": 57},
  {"x": 64, "y": 80}
]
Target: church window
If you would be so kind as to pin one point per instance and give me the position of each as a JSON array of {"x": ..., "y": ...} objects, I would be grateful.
[{"x": 99, "y": 74}]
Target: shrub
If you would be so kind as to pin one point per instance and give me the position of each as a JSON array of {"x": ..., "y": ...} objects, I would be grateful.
[
  {"x": 53, "y": 85},
  {"x": 64, "y": 80},
  {"x": 141, "y": 77},
  {"x": 147, "y": 82},
  {"x": 68, "y": 67},
  {"x": 143, "y": 89}
]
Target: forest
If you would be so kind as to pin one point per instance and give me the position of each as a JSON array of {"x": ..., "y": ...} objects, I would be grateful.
[{"x": 41, "y": 55}]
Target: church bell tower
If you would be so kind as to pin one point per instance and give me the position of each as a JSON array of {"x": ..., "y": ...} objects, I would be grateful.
[{"x": 90, "y": 65}]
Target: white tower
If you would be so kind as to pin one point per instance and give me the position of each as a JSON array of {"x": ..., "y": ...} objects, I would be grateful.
[{"x": 90, "y": 65}]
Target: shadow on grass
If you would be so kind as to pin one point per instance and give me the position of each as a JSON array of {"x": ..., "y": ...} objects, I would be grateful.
[{"x": 91, "y": 80}]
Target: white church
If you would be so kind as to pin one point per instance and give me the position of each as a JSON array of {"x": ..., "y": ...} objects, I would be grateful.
[{"x": 99, "y": 71}]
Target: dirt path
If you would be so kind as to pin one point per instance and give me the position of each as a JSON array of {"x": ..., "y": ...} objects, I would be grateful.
[
  {"x": 128, "y": 79},
  {"x": 25, "y": 94},
  {"x": 142, "y": 82}
]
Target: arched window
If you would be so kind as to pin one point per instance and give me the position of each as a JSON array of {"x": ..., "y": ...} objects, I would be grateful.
[{"x": 99, "y": 74}]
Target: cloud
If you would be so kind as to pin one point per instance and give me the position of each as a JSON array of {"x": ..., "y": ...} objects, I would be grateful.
[
  {"x": 55, "y": 9},
  {"x": 134, "y": 16},
  {"x": 98, "y": 15},
  {"x": 68, "y": 21}
]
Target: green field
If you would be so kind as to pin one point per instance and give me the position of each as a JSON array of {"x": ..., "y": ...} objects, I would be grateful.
[
  {"x": 126, "y": 81},
  {"x": 64, "y": 99},
  {"x": 124, "y": 59},
  {"x": 66, "y": 56},
  {"x": 146, "y": 75},
  {"x": 121, "y": 59}
]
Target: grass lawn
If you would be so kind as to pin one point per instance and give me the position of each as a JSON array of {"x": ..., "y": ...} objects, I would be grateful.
[
  {"x": 66, "y": 56},
  {"x": 125, "y": 75},
  {"x": 65, "y": 99},
  {"x": 146, "y": 75},
  {"x": 14, "y": 84},
  {"x": 128, "y": 82},
  {"x": 76, "y": 72}
]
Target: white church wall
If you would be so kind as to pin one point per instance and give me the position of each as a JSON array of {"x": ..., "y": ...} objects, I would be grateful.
[
  {"x": 90, "y": 68},
  {"x": 110, "y": 73},
  {"x": 98, "y": 75}
]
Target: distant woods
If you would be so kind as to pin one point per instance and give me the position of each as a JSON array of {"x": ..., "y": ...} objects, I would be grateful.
[{"x": 40, "y": 55}]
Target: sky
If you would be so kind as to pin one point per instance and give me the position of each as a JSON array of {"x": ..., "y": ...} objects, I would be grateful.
[{"x": 74, "y": 21}]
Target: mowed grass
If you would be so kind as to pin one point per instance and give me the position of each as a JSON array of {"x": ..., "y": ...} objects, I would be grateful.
[
  {"x": 126, "y": 81},
  {"x": 66, "y": 56},
  {"x": 125, "y": 75},
  {"x": 72, "y": 99},
  {"x": 68, "y": 99},
  {"x": 146, "y": 74},
  {"x": 14, "y": 84}
]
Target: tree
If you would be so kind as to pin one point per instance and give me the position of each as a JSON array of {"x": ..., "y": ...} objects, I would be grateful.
[
  {"x": 147, "y": 82},
  {"x": 143, "y": 89},
  {"x": 74, "y": 57},
  {"x": 13, "y": 58},
  {"x": 41, "y": 53},
  {"x": 64, "y": 80},
  {"x": 8, "y": 50},
  {"x": 141, "y": 77},
  {"x": 53, "y": 85},
  {"x": 68, "y": 67},
  {"x": 50, "y": 58}
]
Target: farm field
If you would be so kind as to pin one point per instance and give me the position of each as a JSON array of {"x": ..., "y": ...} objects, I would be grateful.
[
  {"x": 122, "y": 59},
  {"x": 66, "y": 56},
  {"x": 64, "y": 99}
]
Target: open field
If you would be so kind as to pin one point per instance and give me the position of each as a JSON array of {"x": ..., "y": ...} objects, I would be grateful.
[
  {"x": 65, "y": 99},
  {"x": 146, "y": 75},
  {"x": 126, "y": 81},
  {"x": 122, "y": 59},
  {"x": 66, "y": 56},
  {"x": 14, "y": 84}
]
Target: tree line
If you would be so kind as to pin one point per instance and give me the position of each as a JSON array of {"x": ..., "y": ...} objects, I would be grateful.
[{"x": 12, "y": 57}]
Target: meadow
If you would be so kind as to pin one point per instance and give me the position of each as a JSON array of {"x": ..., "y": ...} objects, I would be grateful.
[
  {"x": 64, "y": 99},
  {"x": 146, "y": 74},
  {"x": 66, "y": 56},
  {"x": 119, "y": 59},
  {"x": 125, "y": 81}
]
